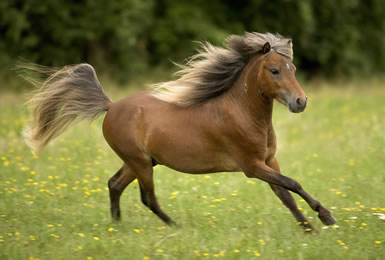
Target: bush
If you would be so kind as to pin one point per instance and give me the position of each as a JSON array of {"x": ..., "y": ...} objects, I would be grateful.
[{"x": 124, "y": 38}]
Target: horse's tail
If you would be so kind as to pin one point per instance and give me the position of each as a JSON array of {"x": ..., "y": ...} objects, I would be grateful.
[{"x": 68, "y": 95}]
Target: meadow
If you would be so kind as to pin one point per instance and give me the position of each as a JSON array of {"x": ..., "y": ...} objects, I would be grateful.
[{"x": 55, "y": 205}]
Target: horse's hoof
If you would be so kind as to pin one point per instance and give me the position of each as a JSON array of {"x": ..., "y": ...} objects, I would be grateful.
[
  {"x": 307, "y": 227},
  {"x": 171, "y": 223},
  {"x": 115, "y": 217},
  {"x": 327, "y": 220},
  {"x": 311, "y": 231}
]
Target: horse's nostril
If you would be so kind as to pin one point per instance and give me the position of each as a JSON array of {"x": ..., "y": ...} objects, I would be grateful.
[{"x": 301, "y": 101}]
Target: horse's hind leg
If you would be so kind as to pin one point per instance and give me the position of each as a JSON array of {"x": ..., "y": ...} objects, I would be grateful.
[
  {"x": 116, "y": 186},
  {"x": 144, "y": 174}
]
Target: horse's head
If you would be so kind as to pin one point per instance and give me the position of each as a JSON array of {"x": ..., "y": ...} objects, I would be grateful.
[{"x": 278, "y": 80}]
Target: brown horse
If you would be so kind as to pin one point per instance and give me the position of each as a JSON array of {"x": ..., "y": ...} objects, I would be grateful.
[{"x": 216, "y": 117}]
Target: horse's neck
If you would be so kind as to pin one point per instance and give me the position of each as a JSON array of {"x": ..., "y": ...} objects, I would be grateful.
[{"x": 246, "y": 94}]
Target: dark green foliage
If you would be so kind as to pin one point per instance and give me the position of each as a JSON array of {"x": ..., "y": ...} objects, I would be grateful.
[
  {"x": 109, "y": 34},
  {"x": 123, "y": 38}
]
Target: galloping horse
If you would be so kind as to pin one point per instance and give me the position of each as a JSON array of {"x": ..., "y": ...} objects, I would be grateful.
[{"x": 215, "y": 117}]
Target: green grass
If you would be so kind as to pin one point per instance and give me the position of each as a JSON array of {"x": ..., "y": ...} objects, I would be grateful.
[{"x": 56, "y": 206}]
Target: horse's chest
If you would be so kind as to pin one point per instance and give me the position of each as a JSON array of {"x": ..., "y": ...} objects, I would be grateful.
[
  {"x": 271, "y": 144},
  {"x": 264, "y": 145}
]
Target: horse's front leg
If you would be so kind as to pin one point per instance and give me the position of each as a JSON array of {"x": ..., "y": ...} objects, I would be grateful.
[
  {"x": 261, "y": 171},
  {"x": 288, "y": 200}
]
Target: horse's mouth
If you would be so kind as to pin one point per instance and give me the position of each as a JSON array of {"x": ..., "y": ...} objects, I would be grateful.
[
  {"x": 295, "y": 104},
  {"x": 296, "y": 108}
]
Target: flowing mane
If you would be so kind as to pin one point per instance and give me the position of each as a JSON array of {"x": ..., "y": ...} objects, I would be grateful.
[{"x": 213, "y": 70}]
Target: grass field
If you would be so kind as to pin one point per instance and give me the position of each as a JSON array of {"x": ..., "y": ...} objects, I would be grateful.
[{"x": 56, "y": 206}]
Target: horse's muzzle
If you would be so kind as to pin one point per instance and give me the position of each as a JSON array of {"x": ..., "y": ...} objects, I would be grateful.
[{"x": 298, "y": 105}]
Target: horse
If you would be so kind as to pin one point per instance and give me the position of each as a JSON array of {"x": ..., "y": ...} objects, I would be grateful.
[{"x": 216, "y": 116}]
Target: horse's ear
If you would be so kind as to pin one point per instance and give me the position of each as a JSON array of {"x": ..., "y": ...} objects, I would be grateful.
[{"x": 266, "y": 48}]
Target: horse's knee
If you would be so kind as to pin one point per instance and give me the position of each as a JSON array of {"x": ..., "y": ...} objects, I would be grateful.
[
  {"x": 295, "y": 185},
  {"x": 291, "y": 184}
]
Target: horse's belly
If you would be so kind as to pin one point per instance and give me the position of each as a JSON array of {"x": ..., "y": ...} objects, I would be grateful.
[
  {"x": 184, "y": 139},
  {"x": 200, "y": 164},
  {"x": 192, "y": 157}
]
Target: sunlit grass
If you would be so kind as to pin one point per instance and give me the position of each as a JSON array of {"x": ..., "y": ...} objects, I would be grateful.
[{"x": 56, "y": 206}]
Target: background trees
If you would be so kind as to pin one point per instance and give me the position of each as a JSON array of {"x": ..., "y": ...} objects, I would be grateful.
[{"x": 123, "y": 38}]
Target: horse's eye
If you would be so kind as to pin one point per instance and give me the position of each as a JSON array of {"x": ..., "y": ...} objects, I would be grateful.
[{"x": 274, "y": 72}]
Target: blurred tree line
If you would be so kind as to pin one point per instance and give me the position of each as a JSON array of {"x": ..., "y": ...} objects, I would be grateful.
[{"x": 125, "y": 37}]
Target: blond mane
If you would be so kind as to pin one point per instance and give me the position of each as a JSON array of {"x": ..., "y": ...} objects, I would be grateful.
[{"x": 213, "y": 70}]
